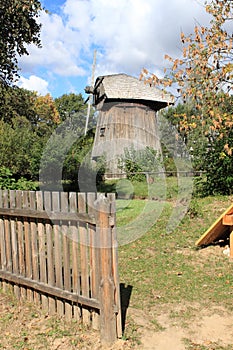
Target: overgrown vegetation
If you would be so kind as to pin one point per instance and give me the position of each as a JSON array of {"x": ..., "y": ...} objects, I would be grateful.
[
  {"x": 135, "y": 163},
  {"x": 203, "y": 79},
  {"x": 35, "y": 138},
  {"x": 8, "y": 181}
]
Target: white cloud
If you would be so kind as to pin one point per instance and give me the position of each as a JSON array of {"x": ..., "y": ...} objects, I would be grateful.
[
  {"x": 60, "y": 52},
  {"x": 34, "y": 83},
  {"x": 132, "y": 33},
  {"x": 129, "y": 35}
]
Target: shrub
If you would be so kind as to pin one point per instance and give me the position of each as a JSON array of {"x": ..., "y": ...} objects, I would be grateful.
[{"x": 8, "y": 181}]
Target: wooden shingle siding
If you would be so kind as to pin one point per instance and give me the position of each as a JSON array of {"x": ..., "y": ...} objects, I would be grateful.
[{"x": 126, "y": 117}]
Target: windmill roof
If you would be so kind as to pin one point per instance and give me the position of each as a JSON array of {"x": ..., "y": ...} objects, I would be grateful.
[{"x": 123, "y": 86}]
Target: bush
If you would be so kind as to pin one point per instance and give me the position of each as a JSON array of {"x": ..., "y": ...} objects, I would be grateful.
[
  {"x": 218, "y": 166},
  {"x": 135, "y": 163},
  {"x": 9, "y": 182}
]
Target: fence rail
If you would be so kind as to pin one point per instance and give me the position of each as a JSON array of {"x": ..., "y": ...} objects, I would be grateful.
[
  {"x": 59, "y": 250},
  {"x": 178, "y": 173}
]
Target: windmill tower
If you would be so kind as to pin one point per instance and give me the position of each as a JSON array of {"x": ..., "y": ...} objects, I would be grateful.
[{"x": 126, "y": 116}]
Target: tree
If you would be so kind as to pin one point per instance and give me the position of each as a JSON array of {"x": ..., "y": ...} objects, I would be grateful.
[
  {"x": 72, "y": 109},
  {"x": 204, "y": 77},
  {"x": 135, "y": 163},
  {"x": 46, "y": 116},
  {"x": 26, "y": 122},
  {"x": 20, "y": 148},
  {"x": 182, "y": 145},
  {"x": 19, "y": 27},
  {"x": 40, "y": 111}
]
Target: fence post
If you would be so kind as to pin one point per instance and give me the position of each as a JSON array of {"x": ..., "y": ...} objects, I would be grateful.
[{"x": 108, "y": 320}]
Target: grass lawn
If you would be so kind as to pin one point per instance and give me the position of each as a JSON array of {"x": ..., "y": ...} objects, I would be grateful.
[{"x": 169, "y": 268}]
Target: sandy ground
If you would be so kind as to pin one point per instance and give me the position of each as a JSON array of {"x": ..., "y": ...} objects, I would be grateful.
[
  {"x": 25, "y": 327},
  {"x": 209, "y": 328}
]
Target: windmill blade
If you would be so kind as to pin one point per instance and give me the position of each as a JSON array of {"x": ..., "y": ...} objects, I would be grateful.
[{"x": 90, "y": 98}]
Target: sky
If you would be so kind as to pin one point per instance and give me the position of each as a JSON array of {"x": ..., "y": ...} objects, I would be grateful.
[{"x": 127, "y": 34}]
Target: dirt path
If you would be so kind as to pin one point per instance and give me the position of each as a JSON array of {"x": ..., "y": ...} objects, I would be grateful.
[
  {"x": 25, "y": 327},
  {"x": 209, "y": 329}
]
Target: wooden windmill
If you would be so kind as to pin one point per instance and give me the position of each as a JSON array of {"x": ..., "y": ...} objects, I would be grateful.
[{"x": 126, "y": 116}]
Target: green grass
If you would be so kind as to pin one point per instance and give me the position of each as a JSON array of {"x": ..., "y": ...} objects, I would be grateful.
[
  {"x": 161, "y": 188},
  {"x": 168, "y": 268}
]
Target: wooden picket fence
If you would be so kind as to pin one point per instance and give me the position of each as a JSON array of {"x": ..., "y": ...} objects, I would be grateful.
[{"x": 59, "y": 250}]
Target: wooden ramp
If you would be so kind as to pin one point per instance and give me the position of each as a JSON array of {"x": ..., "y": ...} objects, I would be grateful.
[{"x": 221, "y": 227}]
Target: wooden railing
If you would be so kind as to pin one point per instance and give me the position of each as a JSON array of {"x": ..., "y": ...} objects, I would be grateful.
[{"x": 59, "y": 250}]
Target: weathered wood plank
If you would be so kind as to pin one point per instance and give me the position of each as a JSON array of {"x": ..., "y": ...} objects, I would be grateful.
[
  {"x": 66, "y": 254},
  {"x": 84, "y": 259},
  {"x": 9, "y": 265},
  {"x": 28, "y": 247},
  {"x": 75, "y": 254},
  {"x": 94, "y": 260},
  {"x": 53, "y": 291},
  {"x": 14, "y": 241},
  {"x": 7, "y": 233},
  {"x": 42, "y": 249},
  {"x": 21, "y": 247},
  {"x": 58, "y": 251},
  {"x": 47, "y": 215},
  {"x": 35, "y": 252},
  {"x": 50, "y": 252},
  {"x": 2, "y": 242},
  {"x": 116, "y": 278},
  {"x": 108, "y": 327}
]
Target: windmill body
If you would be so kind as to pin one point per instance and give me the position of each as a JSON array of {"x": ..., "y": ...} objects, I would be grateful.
[{"x": 126, "y": 117}]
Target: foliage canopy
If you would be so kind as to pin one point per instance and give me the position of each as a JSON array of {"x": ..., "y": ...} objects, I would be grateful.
[
  {"x": 19, "y": 27},
  {"x": 203, "y": 77}
]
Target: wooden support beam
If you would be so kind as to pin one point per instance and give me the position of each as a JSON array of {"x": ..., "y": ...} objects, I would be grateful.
[
  {"x": 227, "y": 220},
  {"x": 231, "y": 243},
  {"x": 108, "y": 321},
  {"x": 46, "y": 215},
  {"x": 50, "y": 290}
]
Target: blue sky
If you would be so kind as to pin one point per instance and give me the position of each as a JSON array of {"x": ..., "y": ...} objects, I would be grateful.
[{"x": 128, "y": 35}]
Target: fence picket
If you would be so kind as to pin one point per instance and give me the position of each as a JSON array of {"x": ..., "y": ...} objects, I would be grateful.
[
  {"x": 28, "y": 250},
  {"x": 2, "y": 243},
  {"x": 94, "y": 260},
  {"x": 15, "y": 256},
  {"x": 34, "y": 241},
  {"x": 75, "y": 254},
  {"x": 112, "y": 199},
  {"x": 108, "y": 329},
  {"x": 50, "y": 252},
  {"x": 84, "y": 261},
  {"x": 21, "y": 247},
  {"x": 57, "y": 251},
  {"x": 7, "y": 233},
  {"x": 7, "y": 236},
  {"x": 66, "y": 254},
  {"x": 42, "y": 250}
]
